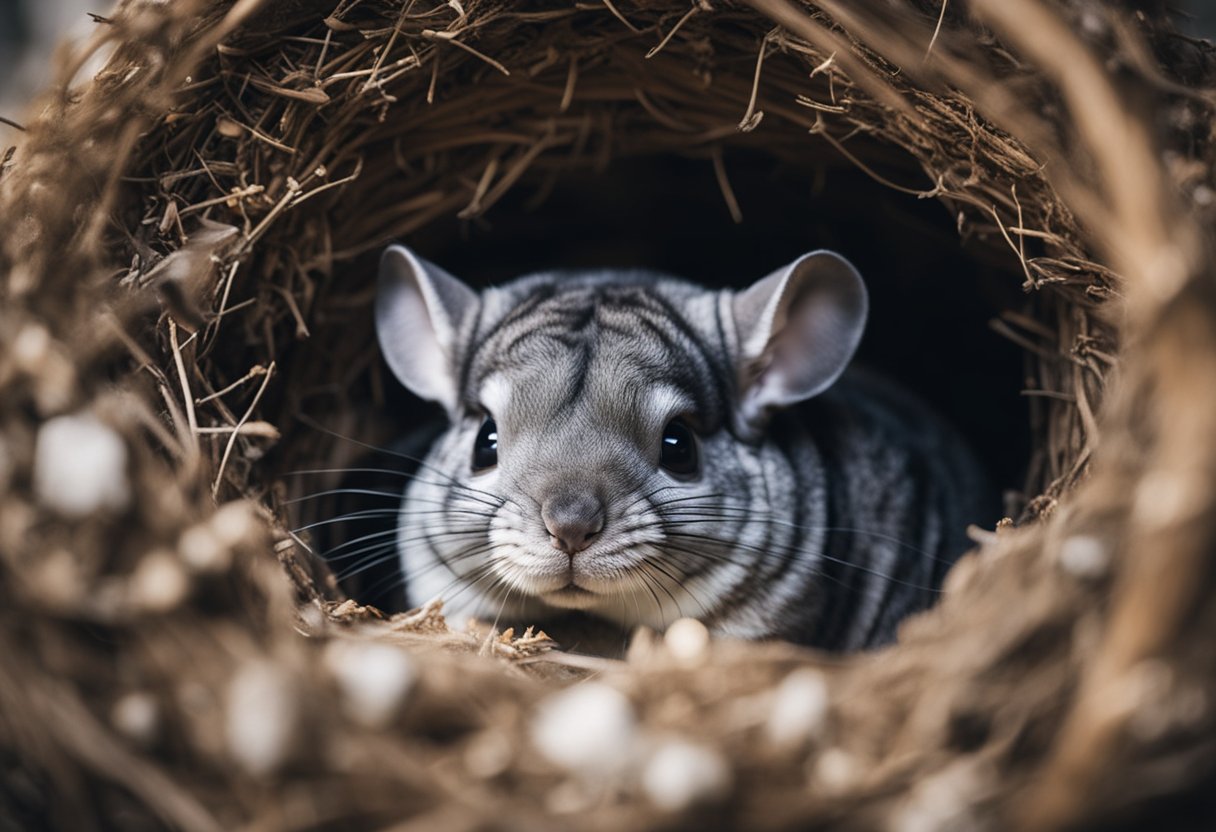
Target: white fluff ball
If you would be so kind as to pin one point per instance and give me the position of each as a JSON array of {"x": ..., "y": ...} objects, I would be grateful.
[
  {"x": 688, "y": 642},
  {"x": 800, "y": 708},
  {"x": 80, "y": 466},
  {"x": 374, "y": 680},
  {"x": 590, "y": 728},
  {"x": 137, "y": 715},
  {"x": 159, "y": 582},
  {"x": 1085, "y": 557},
  {"x": 681, "y": 774},
  {"x": 261, "y": 717}
]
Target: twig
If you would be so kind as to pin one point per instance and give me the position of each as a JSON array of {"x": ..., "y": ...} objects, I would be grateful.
[
  {"x": 751, "y": 118},
  {"x": 571, "y": 79},
  {"x": 223, "y": 199},
  {"x": 617, "y": 14},
  {"x": 185, "y": 382},
  {"x": 258, "y": 370},
  {"x": 936, "y": 31},
  {"x": 1020, "y": 252},
  {"x": 687, "y": 15},
  {"x": 219, "y": 474},
  {"x": 483, "y": 184},
  {"x": 450, "y": 37},
  {"x": 728, "y": 193},
  {"x": 821, "y": 130},
  {"x": 262, "y": 429}
]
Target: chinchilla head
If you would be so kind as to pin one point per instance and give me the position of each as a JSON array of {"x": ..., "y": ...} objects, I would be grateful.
[{"x": 607, "y": 447}]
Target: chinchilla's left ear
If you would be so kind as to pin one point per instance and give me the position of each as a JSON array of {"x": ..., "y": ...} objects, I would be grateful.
[
  {"x": 419, "y": 310},
  {"x": 798, "y": 329}
]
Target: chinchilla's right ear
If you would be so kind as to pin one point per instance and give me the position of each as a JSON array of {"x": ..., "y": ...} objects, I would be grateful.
[{"x": 419, "y": 310}]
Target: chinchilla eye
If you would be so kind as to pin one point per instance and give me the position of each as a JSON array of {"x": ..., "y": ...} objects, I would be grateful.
[
  {"x": 485, "y": 447},
  {"x": 678, "y": 451}
]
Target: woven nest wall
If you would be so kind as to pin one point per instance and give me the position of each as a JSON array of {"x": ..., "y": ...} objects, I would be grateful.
[{"x": 185, "y": 320}]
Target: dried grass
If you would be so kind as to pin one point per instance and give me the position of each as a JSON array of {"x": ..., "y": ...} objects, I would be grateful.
[{"x": 177, "y": 227}]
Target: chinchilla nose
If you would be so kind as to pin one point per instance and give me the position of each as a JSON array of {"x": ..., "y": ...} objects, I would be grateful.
[{"x": 574, "y": 519}]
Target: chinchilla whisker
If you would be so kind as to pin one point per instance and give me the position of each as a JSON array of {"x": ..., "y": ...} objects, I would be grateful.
[
  {"x": 473, "y": 496},
  {"x": 701, "y": 517},
  {"x": 372, "y": 557},
  {"x": 646, "y": 582},
  {"x": 364, "y": 492},
  {"x": 676, "y": 500},
  {"x": 346, "y": 518},
  {"x": 488, "y": 571},
  {"x": 647, "y": 496},
  {"x": 380, "y": 558},
  {"x": 764, "y": 552},
  {"x": 479, "y": 506},
  {"x": 649, "y": 568},
  {"x": 814, "y": 528},
  {"x": 442, "y": 512},
  {"x": 689, "y": 515},
  {"x": 512, "y": 585},
  {"x": 653, "y": 563},
  {"x": 448, "y": 534},
  {"x": 445, "y": 512},
  {"x": 397, "y": 581},
  {"x": 717, "y": 557},
  {"x": 359, "y": 556},
  {"x": 368, "y": 514},
  {"x": 475, "y": 574},
  {"x": 637, "y": 605},
  {"x": 804, "y": 569},
  {"x": 470, "y": 551},
  {"x": 452, "y": 481},
  {"x": 394, "y": 472}
]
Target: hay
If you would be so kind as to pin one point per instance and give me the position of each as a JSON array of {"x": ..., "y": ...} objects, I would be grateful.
[{"x": 182, "y": 259}]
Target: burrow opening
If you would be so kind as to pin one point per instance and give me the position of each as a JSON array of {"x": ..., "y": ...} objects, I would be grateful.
[
  {"x": 933, "y": 303},
  {"x": 625, "y": 162}
]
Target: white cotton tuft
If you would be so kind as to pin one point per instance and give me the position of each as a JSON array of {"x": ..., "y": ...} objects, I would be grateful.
[
  {"x": 681, "y": 774},
  {"x": 1084, "y": 557},
  {"x": 137, "y": 715},
  {"x": 261, "y": 717},
  {"x": 80, "y": 466},
  {"x": 373, "y": 678},
  {"x": 159, "y": 583},
  {"x": 688, "y": 642},
  {"x": 836, "y": 770},
  {"x": 590, "y": 728},
  {"x": 800, "y": 708},
  {"x": 203, "y": 550},
  {"x": 945, "y": 801},
  {"x": 234, "y": 523}
]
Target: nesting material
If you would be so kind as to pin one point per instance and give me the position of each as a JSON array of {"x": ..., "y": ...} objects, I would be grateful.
[
  {"x": 374, "y": 680},
  {"x": 80, "y": 467},
  {"x": 799, "y": 709},
  {"x": 189, "y": 254},
  {"x": 681, "y": 774},
  {"x": 590, "y": 729},
  {"x": 687, "y": 641},
  {"x": 261, "y": 718}
]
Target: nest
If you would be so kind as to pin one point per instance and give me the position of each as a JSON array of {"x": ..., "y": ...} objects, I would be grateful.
[{"x": 188, "y": 259}]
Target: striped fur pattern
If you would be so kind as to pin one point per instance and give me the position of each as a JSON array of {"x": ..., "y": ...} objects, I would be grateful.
[{"x": 822, "y": 521}]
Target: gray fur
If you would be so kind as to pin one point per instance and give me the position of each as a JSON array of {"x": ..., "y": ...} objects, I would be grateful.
[{"x": 823, "y": 518}]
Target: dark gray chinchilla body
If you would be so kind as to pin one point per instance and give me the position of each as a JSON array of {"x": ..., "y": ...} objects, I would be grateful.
[{"x": 643, "y": 449}]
